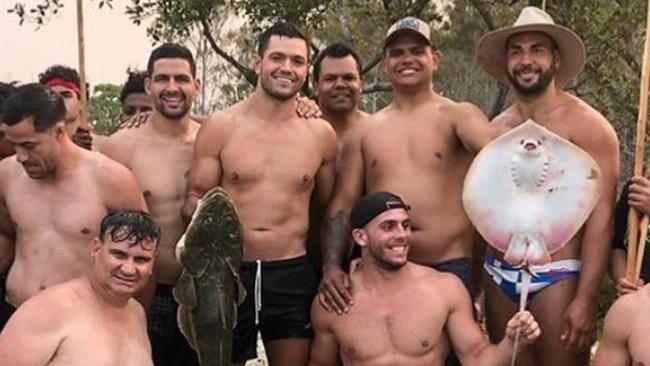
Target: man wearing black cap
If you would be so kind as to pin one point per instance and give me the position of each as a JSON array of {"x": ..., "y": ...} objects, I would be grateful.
[
  {"x": 404, "y": 313},
  {"x": 420, "y": 146}
]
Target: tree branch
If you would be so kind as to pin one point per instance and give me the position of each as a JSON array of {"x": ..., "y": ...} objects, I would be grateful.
[
  {"x": 371, "y": 65},
  {"x": 247, "y": 72},
  {"x": 500, "y": 101},
  {"x": 487, "y": 18},
  {"x": 379, "y": 87}
]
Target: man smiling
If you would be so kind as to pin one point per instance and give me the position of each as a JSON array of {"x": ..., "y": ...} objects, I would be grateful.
[{"x": 92, "y": 319}]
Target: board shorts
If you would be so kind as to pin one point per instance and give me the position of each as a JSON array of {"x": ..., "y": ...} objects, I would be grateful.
[{"x": 277, "y": 304}]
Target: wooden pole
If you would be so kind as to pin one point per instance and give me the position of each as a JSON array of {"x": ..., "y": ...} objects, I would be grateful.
[
  {"x": 633, "y": 215},
  {"x": 82, "y": 60}
]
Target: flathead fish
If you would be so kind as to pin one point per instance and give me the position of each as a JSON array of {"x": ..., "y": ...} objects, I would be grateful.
[{"x": 209, "y": 289}]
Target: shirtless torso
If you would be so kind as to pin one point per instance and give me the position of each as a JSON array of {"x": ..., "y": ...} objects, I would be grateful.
[
  {"x": 161, "y": 164},
  {"x": 414, "y": 326},
  {"x": 269, "y": 169},
  {"x": 419, "y": 147},
  {"x": 54, "y": 221},
  {"x": 77, "y": 328}
]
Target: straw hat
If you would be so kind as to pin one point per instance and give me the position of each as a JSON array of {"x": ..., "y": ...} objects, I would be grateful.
[{"x": 491, "y": 49}]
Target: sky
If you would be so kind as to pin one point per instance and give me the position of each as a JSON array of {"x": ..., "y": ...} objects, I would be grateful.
[{"x": 112, "y": 42}]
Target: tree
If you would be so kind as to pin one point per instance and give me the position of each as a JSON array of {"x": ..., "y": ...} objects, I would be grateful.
[{"x": 104, "y": 108}]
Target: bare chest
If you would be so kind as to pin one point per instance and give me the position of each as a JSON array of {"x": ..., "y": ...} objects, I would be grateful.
[
  {"x": 106, "y": 343},
  {"x": 73, "y": 209},
  {"x": 370, "y": 331},
  {"x": 422, "y": 145},
  {"x": 161, "y": 171},
  {"x": 287, "y": 159}
]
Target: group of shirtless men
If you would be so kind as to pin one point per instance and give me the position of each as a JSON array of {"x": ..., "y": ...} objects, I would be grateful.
[{"x": 405, "y": 301}]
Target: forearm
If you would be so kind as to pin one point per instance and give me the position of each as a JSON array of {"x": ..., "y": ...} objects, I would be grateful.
[
  {"x": 494, "y": 354},
  {"x": 594, "y": 253},
  {"x": 617, "y": 264},
  {"x": 336, "y": 239}
]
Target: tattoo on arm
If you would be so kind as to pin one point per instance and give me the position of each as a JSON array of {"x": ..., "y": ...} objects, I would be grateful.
[{"x": 337, "y": 245}]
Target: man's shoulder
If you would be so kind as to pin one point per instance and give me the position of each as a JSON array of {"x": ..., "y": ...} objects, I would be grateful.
[{"x": 59, "y": 300}]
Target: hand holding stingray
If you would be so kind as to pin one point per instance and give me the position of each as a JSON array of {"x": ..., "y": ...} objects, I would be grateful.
[{"x": 529, "y": 191}]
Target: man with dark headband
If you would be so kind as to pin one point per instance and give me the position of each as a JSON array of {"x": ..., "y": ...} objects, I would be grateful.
[
  {"x": 424, "y": 310},
  {"x": 93, "y": 319},
  {"x": 55, "y": 194},
  {"x": 65, "y": 81}
]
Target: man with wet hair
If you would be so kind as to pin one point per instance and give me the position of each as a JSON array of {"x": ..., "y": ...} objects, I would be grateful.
[
  {"x": 54, "y": 195},
  {"x": 65, "y": 81},
  {"x": 425, "y": 311},
  {"x": 133, "y": 97},
  {"x": 270, "y": 161},
  {"x": 92, "y": 319}
]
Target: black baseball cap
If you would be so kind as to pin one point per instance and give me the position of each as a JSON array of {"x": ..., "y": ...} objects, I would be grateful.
[{"x": 370, "y": 206}]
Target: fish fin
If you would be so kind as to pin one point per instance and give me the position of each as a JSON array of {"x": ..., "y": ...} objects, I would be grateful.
[
  {"x": 180, "y": 249},
  {"x": 516, "y": 252},
  {"x": 185, "y": 326},
  {"x": 241, "y": 290},
  {"x": 537, "y": 253},
  {"x": 185, "y": 291}
]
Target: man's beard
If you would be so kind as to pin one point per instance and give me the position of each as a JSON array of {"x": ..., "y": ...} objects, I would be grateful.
[
  {"x": 377, "y": 254},
  {"x": 275, "y": 94},
  {"x": 182, "y": 112},
  {"x": 543, "y": 81}
]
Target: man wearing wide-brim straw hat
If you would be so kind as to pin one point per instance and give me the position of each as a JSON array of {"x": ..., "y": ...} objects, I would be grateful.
[{"x": 538, "y": 58}]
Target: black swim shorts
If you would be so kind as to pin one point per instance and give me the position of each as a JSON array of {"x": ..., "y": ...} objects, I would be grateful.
[{"x": 278, "y": 301}]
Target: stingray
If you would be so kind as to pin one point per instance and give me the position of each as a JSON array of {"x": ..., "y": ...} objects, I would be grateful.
[{"x": 528, "y": 193}]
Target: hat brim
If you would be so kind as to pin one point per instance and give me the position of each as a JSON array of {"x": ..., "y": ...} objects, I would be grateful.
[
  {"x": 491, "y": 51},
  {"x": 403, "y": 31}
]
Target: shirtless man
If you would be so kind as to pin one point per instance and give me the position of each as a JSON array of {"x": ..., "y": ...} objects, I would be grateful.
[
  {"x": 413, "y": 325},
  {"x": 338, "y": 84},
  {"x": 159, "y": 154},
  {"x": 625, "y": 337},
  {"x": 91, "y": 320},
  {"x": 65, "y": 81},
  {"x": 55, "y": 195},
  {"x": 420, "y": 146},
  {"x": 538, "y": 58},
  {"x": 269, "y": 161}
]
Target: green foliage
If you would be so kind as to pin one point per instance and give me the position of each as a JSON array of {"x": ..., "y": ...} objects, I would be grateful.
[{"x": 105, "y": 108}]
